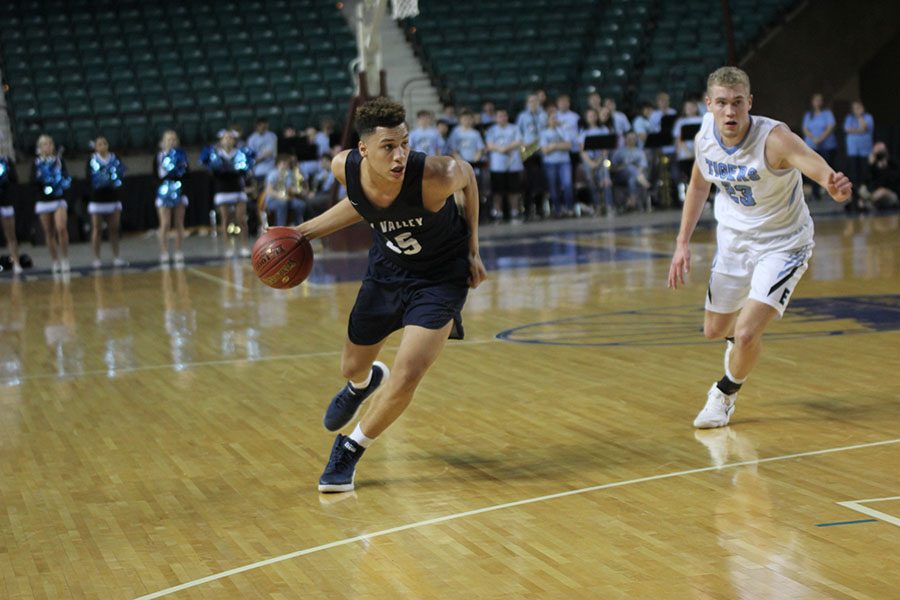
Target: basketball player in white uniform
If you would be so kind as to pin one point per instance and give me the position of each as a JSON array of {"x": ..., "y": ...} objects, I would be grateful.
[{"x": 764, "y": 234}]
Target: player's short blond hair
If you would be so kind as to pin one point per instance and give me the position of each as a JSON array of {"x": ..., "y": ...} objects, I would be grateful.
[{"x": 728, "y": 77}]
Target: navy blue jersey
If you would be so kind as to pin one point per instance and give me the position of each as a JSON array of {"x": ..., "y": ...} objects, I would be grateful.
[{"x": 407, "y": 233}]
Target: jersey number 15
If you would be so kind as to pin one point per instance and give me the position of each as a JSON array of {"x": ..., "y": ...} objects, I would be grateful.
[{"x": 405, "y": 243}]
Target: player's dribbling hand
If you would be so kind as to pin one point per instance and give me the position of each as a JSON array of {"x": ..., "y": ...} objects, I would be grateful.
[
  {"x": 839, "y": 187},
  {"x": 681, "y": 266},
  {"x": 477, "y": 273}
]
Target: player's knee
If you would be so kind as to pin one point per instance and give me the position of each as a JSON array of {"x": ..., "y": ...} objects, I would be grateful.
[
  {"x": 745, "y": 337},
  {"x": 713, "y": 331}
]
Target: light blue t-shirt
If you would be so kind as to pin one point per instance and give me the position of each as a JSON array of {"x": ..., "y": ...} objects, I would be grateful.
[
  {"x": 503, "y": 162},
  {"x": 817, "y": 124},
  {"x": 554, "y": 136},
  {"x": 427, "y": 140},
  {"x": 260, "y": 143},
  {"x": 631, "y": 157},
  {"x": 279, "y": 181},
  {"x": 859, "y": 144},
  {"x": 568, "y": 122},
  {"x": 530, "y": 125},
  {"x": 465, "y": 142},
  {"x": 323, "y": 143}
]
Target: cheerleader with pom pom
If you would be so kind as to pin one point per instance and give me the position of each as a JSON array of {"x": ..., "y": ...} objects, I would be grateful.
[
  {"x": 170, "y": 165},
  {"x": 52, "y": 179},
  {"x": 229, "y": 166},
  {"x": 8, "y": 178},
  {"x": 104, "y": 172}
]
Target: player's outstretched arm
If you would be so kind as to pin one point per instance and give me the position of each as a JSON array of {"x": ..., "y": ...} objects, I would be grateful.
[
  {"x": 785, "y": 150},
  {"x": 444, "y": 177},
  {"x": 694, "y": 199},
  {"x": 337, "y": 217}
]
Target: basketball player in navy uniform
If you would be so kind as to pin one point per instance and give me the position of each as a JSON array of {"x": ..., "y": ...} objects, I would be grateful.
[
  {"x": 423, "y": 261},
  {"x": 765, "y": 234}
]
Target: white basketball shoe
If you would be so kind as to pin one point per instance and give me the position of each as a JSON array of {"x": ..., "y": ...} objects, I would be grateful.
[{"x": 718, "y": 409}]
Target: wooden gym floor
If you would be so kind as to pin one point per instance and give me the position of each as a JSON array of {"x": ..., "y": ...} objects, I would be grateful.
[{"x": 160, "y": 435}]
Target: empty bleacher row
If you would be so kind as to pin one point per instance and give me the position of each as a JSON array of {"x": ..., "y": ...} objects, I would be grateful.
[
  {"x": 626, "y": 49},
  {"x": 130, "y": 68}
]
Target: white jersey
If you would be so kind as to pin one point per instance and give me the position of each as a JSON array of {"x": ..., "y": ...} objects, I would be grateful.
[{"x": 753, "y": 199}]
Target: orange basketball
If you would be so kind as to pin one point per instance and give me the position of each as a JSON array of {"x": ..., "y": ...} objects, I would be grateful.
[{"x": 282, "y": 258}]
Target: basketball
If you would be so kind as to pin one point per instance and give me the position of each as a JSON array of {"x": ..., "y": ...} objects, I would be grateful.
[{"x": 282, "y": 258}]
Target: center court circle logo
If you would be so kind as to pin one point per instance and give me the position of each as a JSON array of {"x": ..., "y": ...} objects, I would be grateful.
[{"x": 683, "y": 325}]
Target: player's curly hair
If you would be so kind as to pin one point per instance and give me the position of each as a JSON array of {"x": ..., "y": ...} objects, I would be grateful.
[
  {"x": 379, "y": 112},
  {"x": 728, "y": 77}
]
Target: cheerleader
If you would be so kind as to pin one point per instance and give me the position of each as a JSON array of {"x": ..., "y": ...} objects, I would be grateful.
[
  {"x": 229, "y": 165},
  {"x": 104, "y": 172},
  {"x": 8, "y": 211},
  {"x": 50, "y": 175},
  {"x": 170, "y": 165}
]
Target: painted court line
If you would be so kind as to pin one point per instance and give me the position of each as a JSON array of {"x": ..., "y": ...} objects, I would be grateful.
[
  {"x": 846, "y": 522},
  {"x": 211, "y": 363},
  {"x": 496, "y": 507},
  {"x": 857, "y": 505},
  {"x": 219, "y": 280}
]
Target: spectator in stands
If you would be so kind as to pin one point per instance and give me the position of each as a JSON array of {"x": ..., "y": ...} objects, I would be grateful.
[
  {"x": 320, "y": 192},
  {"x": 530, "y": 123},
  {"x": 556, "y": 145},
  {"x": 860, "y": 129},
  {"x": 503, "y": 142},
  {"x": 229, "y": 166},
  {"x": 264, "y": 144},
  {"x": 620, "y": 122},
  {"x": 170, "y": 164},
  {"x": 425, "y": 136},
  {"x": 443, "y": 128},
  {"x": 284, "y": 191},
  {"x": 883, "y": 186},
  {"x": 308, "y": 153},
  {"x": 818, "y": 129},
  {"x": 568, "y": 120},
  {"x": 8, "y": 179},
  {"x": 327, "y": 140},
  {"x": 666, "y": 154},
  {"x": 629, "y": 168},
  {"x": 104, "y": 172},
  {"x": 542, "y": 97},
  {"x": 594, "y": 102},
  {"x": 51, "y": 178},
  {"x": 641, "y": 124},
  {"x": 595, "y": 163},
  {"x": 684, "y": 147},
  {"x": 488, "y": 115},
  {"x": 465, "y": 142},
  {"x": 449, "y": 116}
]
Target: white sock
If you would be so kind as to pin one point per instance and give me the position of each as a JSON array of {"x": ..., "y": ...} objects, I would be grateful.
[
  {"x": 360, "y": 438},
  {"x": 364, "y": 384},
  {"x": 732, "y": 377}
]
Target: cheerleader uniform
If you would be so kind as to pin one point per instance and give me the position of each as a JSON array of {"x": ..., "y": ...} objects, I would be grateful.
[
  {"x": 7, "y": 179},
  {"x": 228, "y": 171},
  {"x": 170, "y": 167},
  {"x": 52, "y": 178},
  {"x": 106, "y": 178}
]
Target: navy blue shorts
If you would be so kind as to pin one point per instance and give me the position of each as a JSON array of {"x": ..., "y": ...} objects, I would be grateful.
[{"x": 392, "y": 297}]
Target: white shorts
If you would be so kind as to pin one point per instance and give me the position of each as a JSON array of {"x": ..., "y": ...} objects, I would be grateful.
[
  {"x": 229, "y": 198},
  {"x": 183, "y": 201},
  {"x": 743, "y": 270},
  {"x": 7, "y": 212},
  {"x": 51, "y": 206},
  {"x": 103, "y": 208}
]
